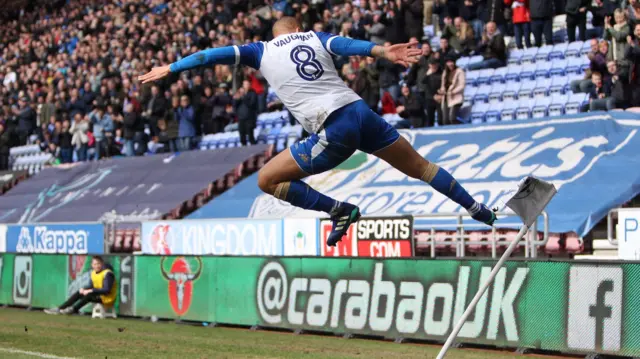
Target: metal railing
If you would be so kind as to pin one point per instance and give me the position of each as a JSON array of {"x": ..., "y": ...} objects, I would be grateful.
[{"x": 531, "y": 242}]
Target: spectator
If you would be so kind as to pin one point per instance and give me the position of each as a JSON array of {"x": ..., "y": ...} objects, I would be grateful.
[
  {"x": 494, "y": 13},
  {"x": 459, "y": 35},
  {"x": 186, "y": 124},
  {"x": 102, "y": 289},
  {"x": 617, "y": 34},
  {"x": 376, "y": 31},
  {"x": 102, "y": 129},
  {"x": 411, "y": 109},
  {"x": 600, "y": 96},
  {"x": 5, "y": 143},
  {"x": 218, "y": 102},
  {"x": 80, "y": 138},
  {"x": 542, "y": 12},
  {"x": 469, "y": 12},
  {"x": 132, "y": 132},
  {"x": 600, "y": 9},
  {"x": 633, "y": 57},
  {"x": 46, "y": 109},
  {"x": 75, "y": 104},
  {"x": 389, "y": 76},
  {"x": 576, "y": 11},
  {"x": 366, "y": 84},
  {"x": 155, "y": 109},
  {"x": 452, "y": 91},
  {"x": 418, "y": 71},
  {"x": 493, "y": 49},
  {"x": 619, "y": 79},
  {"x": 413, "y": 16},
  {"x": 432, "y": 82},
  {"x": 595, "y": 65},
  {"x": 245, "y": 103},
  {"x": 26, "y": 119},
  {"x": 445, "y": 51},
  {"x": 66, "y": 148},
  {"x": 521, "y": 21}
]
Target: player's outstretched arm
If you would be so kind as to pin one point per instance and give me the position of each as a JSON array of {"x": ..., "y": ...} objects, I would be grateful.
[
  {"x": 221, "y": 55},
  {"x": 404, "y": 54}
]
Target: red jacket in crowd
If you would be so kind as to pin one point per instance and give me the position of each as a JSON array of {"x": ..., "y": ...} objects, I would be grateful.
[{"x": 520, "y": 10}]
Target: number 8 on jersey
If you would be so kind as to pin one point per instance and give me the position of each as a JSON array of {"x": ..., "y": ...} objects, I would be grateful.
[{"x": 307, "y": 66}]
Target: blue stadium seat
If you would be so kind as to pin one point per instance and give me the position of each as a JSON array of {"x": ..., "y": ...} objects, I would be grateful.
[
  {"x": 526, "y": 89},
  {"x": 281, "y": 140},
  {"x": 575, "y": 102},
  {"x": 558, "y": 51},
  {"x": 542, "y": 69},
  {"x": 428, "y": 30},
  {"x": 499, "y": 75},
  {"x": 586, "y": 48},
  {"x": 262, "y": 136},
  {"x": 570, "y": 78},
  {"x": 560, "y": 35},
  {"x": 573, "y": 49},
  {"x": 484, "y": 77},
  {"x": 493, "y": 114},
  {"x": 523, "y": 111},
  {"x": 529, "y": 56},
  {"x": 295, "y": 133},
  {"x": 574, "y": 65},
  {"x": 585, "y": 64},
  {"x": 273, "y": 135},
  {"x": 541, "y": 107},
  {"x": 515, "y": 56},
  {"x": 472, "y": 77},
  {"x": 478, "y": 112},
  {"x": 476, "y": 58},
  {"x": 469, "y": 92},
  {"x": 528, "y": 72},
  {"x": 462, "y": 62},
  {"x": 542, "y": 88},
  {"x": 556, "y": 107},
  {"x": 558, "y": 84},
  {"x": 482, "y": 95},
  {"x": 557, "y": 67},
  {"x": 511, "y": 91},
  {"x": 513, "y": 73},
  {"x": 543, "y": 53},
  {"x": 495, "y": 94},
  {"x": 508, "y": 111}
]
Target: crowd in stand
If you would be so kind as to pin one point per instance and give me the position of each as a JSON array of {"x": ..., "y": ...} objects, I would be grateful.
[{"x": 68, "y": 70}]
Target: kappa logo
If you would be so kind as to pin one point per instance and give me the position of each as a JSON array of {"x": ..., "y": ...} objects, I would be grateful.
[
  {"x": 181, "y": 278},
  {"x": 159, "y": 239}
]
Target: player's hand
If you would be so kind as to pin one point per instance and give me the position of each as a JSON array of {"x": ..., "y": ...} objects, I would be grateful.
[
  {"x": 403, "y": 54},
  {"x": 155, "y": 74}
]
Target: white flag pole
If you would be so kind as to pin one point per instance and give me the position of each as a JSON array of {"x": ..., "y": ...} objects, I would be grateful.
[
  {"x": 528, "y": 202},
  {"x": 485, "y": 285}
]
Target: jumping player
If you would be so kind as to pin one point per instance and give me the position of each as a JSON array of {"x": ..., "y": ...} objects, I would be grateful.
[{"x": 298, "y": 65}]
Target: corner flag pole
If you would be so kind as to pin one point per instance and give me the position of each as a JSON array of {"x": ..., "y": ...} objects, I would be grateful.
[{"x": 532, "y": 197}]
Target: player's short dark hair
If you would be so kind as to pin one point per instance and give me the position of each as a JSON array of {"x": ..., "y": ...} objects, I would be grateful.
[{"x": 98, "y": 258}]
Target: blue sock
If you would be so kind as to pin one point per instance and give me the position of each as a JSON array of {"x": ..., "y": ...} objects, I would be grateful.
[
  {"x": 303, "y": 196},
  {"x": 444, "y": 183}
]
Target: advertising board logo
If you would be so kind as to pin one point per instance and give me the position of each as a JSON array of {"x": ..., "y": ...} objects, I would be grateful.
[
  {"x": 40, "y": 239},
  {"x": 159, "y": 239},
  {"x": 181, "y": 278},
  {"x": 595, "y": 308},
  {"x": 22, "y": 284},
  {"x": 375, "y": 304},
  {"x": 126, "y": 285}
]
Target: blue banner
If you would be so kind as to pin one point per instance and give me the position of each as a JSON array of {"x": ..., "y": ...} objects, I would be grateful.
[
  {"x": 591, "y": 158},
  {"x": 136, "y": 188},
  {"x": 238, "y": 237},
  {"x": 56, "y": 238}
]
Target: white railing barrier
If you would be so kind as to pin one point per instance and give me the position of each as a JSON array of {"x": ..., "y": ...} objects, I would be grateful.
[{"x": 531, "y": 243}]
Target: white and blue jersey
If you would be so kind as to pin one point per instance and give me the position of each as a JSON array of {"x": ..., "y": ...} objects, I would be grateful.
[{"x": 299, "y": 67}]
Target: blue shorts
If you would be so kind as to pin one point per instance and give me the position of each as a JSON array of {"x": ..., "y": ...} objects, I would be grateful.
[{"x": 350, "y": 128}]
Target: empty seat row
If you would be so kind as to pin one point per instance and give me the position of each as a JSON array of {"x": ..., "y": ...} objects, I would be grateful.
[
  {"x": 273, "y": 119},
  {"x": 517, "y": 73},
  {"x": 518, "y": 90},
  {"x": 280, "y": 136},
  {"x": 528, "y": 108}
]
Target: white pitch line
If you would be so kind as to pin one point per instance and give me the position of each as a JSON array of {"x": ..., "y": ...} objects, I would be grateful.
[{"x": 35, "y": 354}]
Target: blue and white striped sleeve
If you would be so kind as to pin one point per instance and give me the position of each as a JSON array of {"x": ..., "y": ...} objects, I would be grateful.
[
  {"x": 342, "y": 46},
  {"x": 249, "y": 55}
]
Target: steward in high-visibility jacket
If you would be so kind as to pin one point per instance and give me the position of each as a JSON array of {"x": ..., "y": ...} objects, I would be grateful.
[
  {"x": 103, "y": 283},
  {"x": 102, "y": 289}
]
